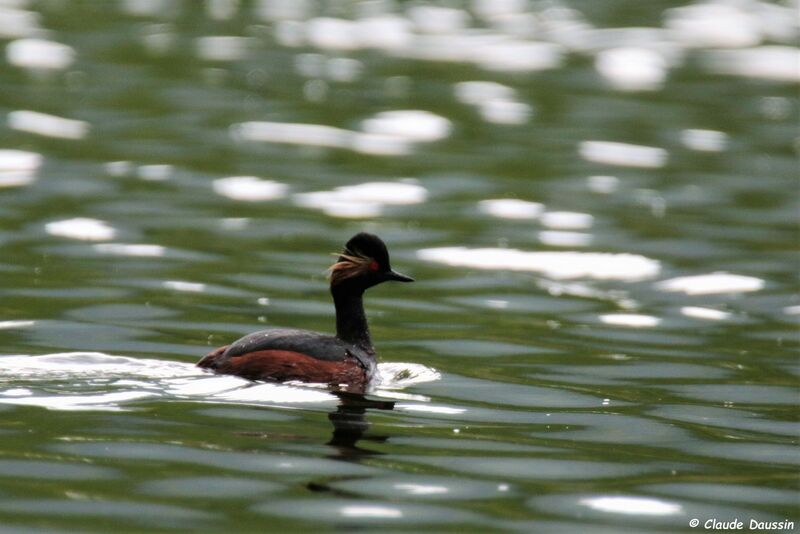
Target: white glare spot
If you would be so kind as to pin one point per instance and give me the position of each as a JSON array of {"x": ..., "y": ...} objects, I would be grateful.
[
  {"x": 632, "y": 506},
  {"x": 495, "y": 8},
  {"x": 704, "y": 140},
  {"x": 126, "y": 249},
  {"x": 81, "y": 228},
  {"x": 435, "y": 19},
  {"x": 17, "y": 392},
  {"x": 630, "y": 319},
  {"x": 343, "y": 69},
  {"x": 330, "y": 205},
  {"x": 713, "y": 25},
  {"x": 18, "y": 167},
  {"x": 509, "y": 208},
  {"x": 145, "y": 8},
  {"x": 505, "y": 112},
  {"x": 709, "y": 284},
  {"x": 567, "y": 220},
  {"x": 430, "y": 408},
  {"x": 496, "y": 103},
  {"x": 407, "y": 192},
  {"x": 412, "y": 125},
  {"x": 382, "y": 512},
  {"x": 518, "y": 56},
  {"x": 623, "y": 154},
  {"x": 7, "y": 325},
  {"x": 190, "y": 287},
  {"x": 557, "y": 265},
  {"x": 17, "y": 22},
  {"x": 118, "y": 168},
  {"x": 107, "y": 401},
  {"x": 387, "y": 32},
  {"x": 386, "y": 135},
  {"x": 778, "y": 63},
  {"x": 476, "y": 93},
  {"x": 19, "y": 160},
  {"x": 293, "y": 134},
  {"x": 39, "y": 54},
  {"x": 558, "y": 238},
  {"x": 155, "y": 173},
  {"x": 249, "y": 188},
  {"x": 422, "y": 489},
  {"x": 602, "y": 184},
  {"x": 632, "y": 69},
  {"x": 705, "y": 313},
  {"x": 234, "y": 223},
  {"x": 792, "y": 310},
  {"x": 290, "y": 33},
  {"x": 333, "y": 34},
  {"x": 363, "y": 200},
  {"x": 47, "y": 125},
  {"x": 379, "y": 144}
]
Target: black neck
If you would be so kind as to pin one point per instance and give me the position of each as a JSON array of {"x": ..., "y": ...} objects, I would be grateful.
[{"x": 351, "y": 322}]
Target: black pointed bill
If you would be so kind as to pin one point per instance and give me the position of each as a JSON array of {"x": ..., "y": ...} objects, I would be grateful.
[{"x": 397, "y": 277}]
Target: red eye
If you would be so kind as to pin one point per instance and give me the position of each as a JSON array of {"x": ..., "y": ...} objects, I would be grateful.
[{"x": 374, "y": 266}]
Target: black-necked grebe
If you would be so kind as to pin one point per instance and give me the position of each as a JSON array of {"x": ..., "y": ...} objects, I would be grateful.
[{"x": 285, "y": 354}]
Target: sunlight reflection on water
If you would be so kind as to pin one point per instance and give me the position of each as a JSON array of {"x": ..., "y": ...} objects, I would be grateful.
[
  {"x": 18, "y": 167},
  {"x": 557, "y": 265},
  {"x": 38, "y": 54},
  {"x": 632, "y": 505},
  {"x": 82, "y": 228},
  {"x": 98, "y": 381},
  {"x": 363, "y": 200},
  {"x": 593, "y": 199},
  {"x": 47, "y": 125}
]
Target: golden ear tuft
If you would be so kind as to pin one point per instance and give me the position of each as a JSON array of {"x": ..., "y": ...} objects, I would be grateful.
[{"x": 347, "y": 266}]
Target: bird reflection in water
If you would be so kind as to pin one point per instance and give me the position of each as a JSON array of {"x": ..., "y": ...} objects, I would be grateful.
[
  {"x": 349, "y": 427},
  {"x": 350, "y": 424}
]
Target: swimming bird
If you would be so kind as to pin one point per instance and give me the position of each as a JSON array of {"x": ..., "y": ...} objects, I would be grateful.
[{"x": 288, "y": 354}]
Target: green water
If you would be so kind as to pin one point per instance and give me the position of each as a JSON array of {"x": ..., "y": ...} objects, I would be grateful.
[{"x": 616, "y": 352}]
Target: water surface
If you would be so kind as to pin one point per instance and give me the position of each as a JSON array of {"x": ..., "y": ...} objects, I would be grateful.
[{"x": 598, "y": 202}]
